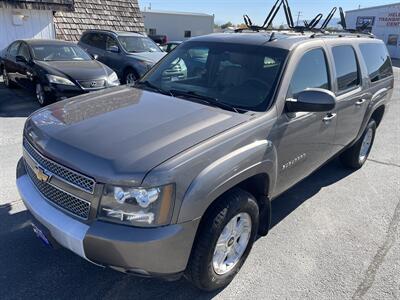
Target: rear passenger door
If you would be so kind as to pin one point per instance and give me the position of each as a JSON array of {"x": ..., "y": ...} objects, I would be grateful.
[{"x": 352, "y": 97}]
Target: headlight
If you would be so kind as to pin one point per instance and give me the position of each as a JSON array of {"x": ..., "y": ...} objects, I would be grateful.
[
  {"x": 59, "y": 80},
  {"x": 113, "y": 79},
  {"x": 137, "y": 206}
]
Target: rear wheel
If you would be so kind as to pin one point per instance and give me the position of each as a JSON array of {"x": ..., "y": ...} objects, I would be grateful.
[
  {"x": 7, "y": 82},
  {"x": 224, "y": 240},
  {"x": 356, "y": 156}
]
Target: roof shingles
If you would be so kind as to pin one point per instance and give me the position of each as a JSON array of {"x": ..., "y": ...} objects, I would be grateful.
[{"x": 122, "y": 15}]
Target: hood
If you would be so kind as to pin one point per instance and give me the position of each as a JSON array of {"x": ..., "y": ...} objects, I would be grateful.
[
  {"x": 149, "y": 56},
  {"x": 77, "y": 70},
  {"x": 118, "y": 135}
]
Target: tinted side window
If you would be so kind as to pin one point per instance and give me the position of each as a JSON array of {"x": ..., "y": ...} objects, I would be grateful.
[
  {"x": 95, "y": 40},
  {"x": 346, "y": 67},
  {"x": 13, "y": 50},
  {"x": 377, "y": 60},
  {"x": 110, "y": 42},
  {"x": 311, "y": 72},
  {"x": 24, "y": 51}
]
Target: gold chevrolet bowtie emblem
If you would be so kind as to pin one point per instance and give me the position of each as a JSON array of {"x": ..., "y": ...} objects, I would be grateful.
[{"x": 41, "y": 174}]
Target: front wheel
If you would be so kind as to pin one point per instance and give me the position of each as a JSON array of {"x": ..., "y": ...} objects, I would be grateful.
[
  {"x": 130, "y": 77},
  {"x": 356, "y": 156},
  {"x": 225, "y": 238},
  {"x": 41, "y": 95}
]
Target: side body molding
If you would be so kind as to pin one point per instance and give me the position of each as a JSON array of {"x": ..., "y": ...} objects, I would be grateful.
[{"x": 258, "y": 157}]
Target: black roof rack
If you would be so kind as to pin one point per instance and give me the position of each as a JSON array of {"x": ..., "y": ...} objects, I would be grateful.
[{"x": 308, "y": 26}]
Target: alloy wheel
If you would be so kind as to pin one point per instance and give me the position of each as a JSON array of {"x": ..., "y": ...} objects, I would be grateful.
[
  {"x": 40, "y": 96},
  {"x": 130, "y": 78},
  {"x": 366, "y": 145},
  {"x": 232, "y": 243},
  {"x": 5, "y": 78}
]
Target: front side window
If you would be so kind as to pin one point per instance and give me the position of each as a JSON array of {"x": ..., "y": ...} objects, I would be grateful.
[
  {"x": 59, "y": 53},
  {"x": 111, "y": 42},
  {"x": 13, "y": 50},
  {"x": 377, "y": 60},
  {"x": 311, "y": 72},
  {"x": 135, "y": 44},
  {"x": 346, "y": 67},
  {"x": 232, "y": 74},
  {"x": 24, "y": 51}
]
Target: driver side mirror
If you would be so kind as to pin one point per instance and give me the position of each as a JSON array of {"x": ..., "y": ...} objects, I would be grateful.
[
  {"x": 22, "y": 59},
  {"x": 312, "y": 100},
  {"x": 113, "y": 49}
]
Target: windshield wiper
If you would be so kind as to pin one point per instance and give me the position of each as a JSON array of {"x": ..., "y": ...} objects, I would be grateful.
[
  {"x": 153, "y": 87},
  {"x": 207, "y": 99}
]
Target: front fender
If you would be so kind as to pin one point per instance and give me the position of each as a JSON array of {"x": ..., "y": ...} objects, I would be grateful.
[{"x": 256, "y": 158}]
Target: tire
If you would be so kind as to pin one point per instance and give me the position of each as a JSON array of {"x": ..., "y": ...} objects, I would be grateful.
[
  {"x": 356, "y": 156},
  {"x": 130, "y": 76},
  {"x": 41, "y": 96},
  {"x": 7, "y": 82},
  {"x": 234, "y": 207}
]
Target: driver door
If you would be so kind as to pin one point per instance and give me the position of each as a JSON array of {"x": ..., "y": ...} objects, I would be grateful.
[{"x": 305, "y": 138}]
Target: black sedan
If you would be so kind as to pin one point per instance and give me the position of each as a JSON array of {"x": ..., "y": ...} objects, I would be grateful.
[{"x": 53, "y": 69}]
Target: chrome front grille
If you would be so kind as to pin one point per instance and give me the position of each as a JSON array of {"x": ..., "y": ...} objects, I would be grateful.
[
  {"x": 72, "y": 204},
  {"x": 78, "y": 180},
  {"x": 92, "y": 84}
]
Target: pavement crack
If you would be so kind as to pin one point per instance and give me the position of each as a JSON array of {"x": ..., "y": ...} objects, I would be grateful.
[
  {"x": 380, "y": 255},
  {"x": 384, "y": 163}
]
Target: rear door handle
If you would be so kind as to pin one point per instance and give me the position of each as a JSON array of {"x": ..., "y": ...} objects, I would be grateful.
[
  {"x": 360, "y": 102},
  {"x": 329, "y": 117}
]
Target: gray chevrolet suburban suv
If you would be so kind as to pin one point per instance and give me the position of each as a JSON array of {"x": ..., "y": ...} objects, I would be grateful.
[{"x": 175, "y": 175}]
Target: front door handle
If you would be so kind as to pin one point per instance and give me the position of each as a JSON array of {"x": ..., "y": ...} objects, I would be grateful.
[
  {"x": 360, "y": 102},
  {"x": 329, "y": 117}
]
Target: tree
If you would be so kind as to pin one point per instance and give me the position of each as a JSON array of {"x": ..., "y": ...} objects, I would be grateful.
[{"x": 226, "y": 25}]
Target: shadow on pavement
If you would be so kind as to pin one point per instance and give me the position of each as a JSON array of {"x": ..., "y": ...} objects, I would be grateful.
[
  {"x": 16, "y": 102},
  {"x": 285, "y": 204},
  {"x": 29, "y": 269}
]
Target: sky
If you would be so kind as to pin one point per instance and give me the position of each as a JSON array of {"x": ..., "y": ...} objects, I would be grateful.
[{"x": 233, "y": 10}]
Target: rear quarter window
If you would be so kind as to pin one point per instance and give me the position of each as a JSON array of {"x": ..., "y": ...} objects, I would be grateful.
[{"x": 378, "y": 62}]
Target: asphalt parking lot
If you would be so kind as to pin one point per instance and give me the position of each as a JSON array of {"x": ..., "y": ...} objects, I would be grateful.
[{"x": 335, "y": 235}]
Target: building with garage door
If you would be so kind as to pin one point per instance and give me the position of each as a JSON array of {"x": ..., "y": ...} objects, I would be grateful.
[
  {"x": 383, "y": 21},
  {"x": 65, "y": 19}
]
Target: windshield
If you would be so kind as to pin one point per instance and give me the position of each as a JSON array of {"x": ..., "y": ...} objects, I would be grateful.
[
  {"x": 138, "y": 44},
  {"x": 241, "y": 76},
  {"x": 59, "y": 53}
]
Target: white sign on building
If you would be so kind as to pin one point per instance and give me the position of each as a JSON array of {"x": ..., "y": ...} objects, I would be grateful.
[{"x": 383, "y": 21}]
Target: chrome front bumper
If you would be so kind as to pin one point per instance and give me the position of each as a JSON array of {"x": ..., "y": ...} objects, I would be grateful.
[{"x": 65, "y": 230}]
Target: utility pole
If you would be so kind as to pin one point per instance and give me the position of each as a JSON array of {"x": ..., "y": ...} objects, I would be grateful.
[
  {"x": 298, "y": 17},
  {"x": 150, "y": 6}
]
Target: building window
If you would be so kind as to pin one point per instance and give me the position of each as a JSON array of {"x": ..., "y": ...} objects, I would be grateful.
[
  {"x": 393, "y": 39},
  {"x": 188, "y": 34},
  {"x": 152, "y": 31}
]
